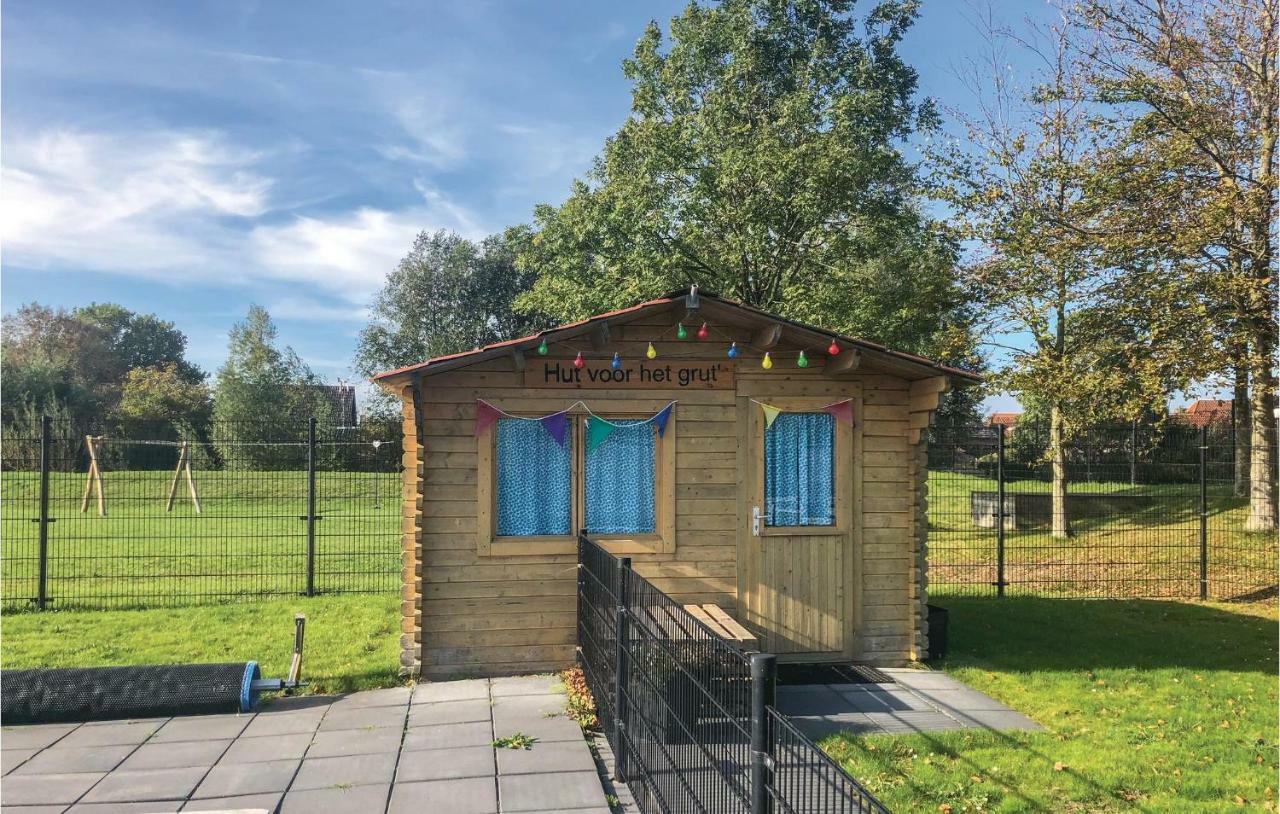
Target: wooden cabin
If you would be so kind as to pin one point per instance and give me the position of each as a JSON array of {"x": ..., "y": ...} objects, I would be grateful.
[{"x": 790, "y": 493}]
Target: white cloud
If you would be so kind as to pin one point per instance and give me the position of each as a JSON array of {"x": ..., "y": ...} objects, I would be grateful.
[
  {"x": 124, "y": 203},
  {"x": 310, "y": 310}
]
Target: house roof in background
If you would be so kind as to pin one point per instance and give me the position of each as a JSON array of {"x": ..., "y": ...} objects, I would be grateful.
[
  {"x": 1005, "y": 419},
  {"x": 1203, "y": 412},
  {"x": 911, "y": 365}
]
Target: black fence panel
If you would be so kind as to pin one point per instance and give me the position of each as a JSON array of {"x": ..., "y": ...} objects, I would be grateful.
[
  {"x": 689, "y": 715},
  {"x": 1146, "y": 511},
  {"x": 234, "y": 511}
]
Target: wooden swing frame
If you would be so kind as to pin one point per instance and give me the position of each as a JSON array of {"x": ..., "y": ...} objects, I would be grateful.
[{"x": 93, "y": 485}]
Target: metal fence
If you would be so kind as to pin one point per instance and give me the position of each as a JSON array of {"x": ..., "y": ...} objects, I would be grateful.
[
  {"x": 1149, "y": 511},
  {"x": 157, "y": 516},
  {"x": 689, "y": 716}
]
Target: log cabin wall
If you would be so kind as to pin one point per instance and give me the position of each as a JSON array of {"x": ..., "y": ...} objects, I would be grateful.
[{"x": 468, "y": 613}]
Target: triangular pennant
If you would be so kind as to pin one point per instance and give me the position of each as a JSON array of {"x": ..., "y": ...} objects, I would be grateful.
[
  {"x": 597, "y": 431},
  {"x": 556, "y": 425},
  {"x": 660, "y": 420},
  {"x": 842, "y": 410},
  {"x": 486, "y": 416},
  {"x": 770, "y": 415}
]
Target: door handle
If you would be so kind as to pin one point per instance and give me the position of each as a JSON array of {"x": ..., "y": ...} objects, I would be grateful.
[{"x": 755, "y": 521}]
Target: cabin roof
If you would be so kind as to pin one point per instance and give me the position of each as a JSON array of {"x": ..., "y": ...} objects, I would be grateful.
[{"x": 907, "y": 365}]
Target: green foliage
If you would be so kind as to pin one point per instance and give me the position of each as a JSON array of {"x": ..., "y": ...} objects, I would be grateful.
[
  {"x": 260, "y": 382},
  {"x": 517, "y": 741},
  {"x": 163, "y": 394},
  {"x": 448, "y": 294},
  {"x": 761, "y": 161},
  {"x": 140, "y": 340}
]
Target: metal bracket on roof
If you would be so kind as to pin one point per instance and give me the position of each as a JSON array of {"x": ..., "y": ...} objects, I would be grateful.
[{"x": 691, "y": 299}]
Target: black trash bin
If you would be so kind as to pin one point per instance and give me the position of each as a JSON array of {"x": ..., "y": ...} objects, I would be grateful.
[{"x": 937, "y": 632}]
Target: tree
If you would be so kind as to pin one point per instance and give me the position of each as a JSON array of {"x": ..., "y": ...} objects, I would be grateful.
[
  {"x": 48, "y": 357},
  {"x": 1020, "y": 181},
  {"x": 164, "y": 394},
  {"x": 762, "y": 161},
  {"x": 140, "y": 340},
  {"x": 447, "y": 295},
  {"x": 262, "y": 394},
  {"x": 1192, "y": 87}
]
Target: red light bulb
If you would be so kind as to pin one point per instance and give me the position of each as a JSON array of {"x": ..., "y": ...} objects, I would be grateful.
[
  {"x": 703, "y": 333},
  {"x": 833, "y": 348},
  {"x": 577, "y": 361}
]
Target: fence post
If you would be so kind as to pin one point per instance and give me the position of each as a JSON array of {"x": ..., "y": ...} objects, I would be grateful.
[
  {"x": 1133, "y": 453},
  {"x": 46, "y": 442},
  {"x": 764, "y": 673},
  {"x": 311, "y": 506},
  {"x": 622, "y": 670},
  {"x": 1204, "y": 513},
  {"x": 1000, "y": 513}
]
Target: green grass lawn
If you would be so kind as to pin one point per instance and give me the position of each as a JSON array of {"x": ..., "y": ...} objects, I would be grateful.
[
  {"x": 248, "y": 539},
  {"x": 1150, "y": 706},
  {"x": 352, "y": 642}
]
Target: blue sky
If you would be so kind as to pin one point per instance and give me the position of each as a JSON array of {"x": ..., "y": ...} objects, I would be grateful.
[{"x": 192, "y": 158}]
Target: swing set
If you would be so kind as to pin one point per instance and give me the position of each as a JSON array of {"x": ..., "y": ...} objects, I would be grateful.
[{"x": 93, "y": 485}]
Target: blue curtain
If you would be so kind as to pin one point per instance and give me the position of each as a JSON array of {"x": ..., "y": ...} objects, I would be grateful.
[
  {"x": 533, "y": 480},
  {"x": 799, "y": 479},
  {"x": 619, "y": 481}
]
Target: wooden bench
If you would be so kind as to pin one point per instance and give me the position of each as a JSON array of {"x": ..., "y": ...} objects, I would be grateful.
[{"x": 724, "y": 625}]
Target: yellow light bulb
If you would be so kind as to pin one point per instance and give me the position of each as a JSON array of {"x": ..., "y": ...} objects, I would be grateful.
[
  {"x": 766, "y": 362},
  {"x": 651, "y": 353}
]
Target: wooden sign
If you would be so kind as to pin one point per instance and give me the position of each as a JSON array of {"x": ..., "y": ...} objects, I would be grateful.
[{"x": 639, "y": 375}]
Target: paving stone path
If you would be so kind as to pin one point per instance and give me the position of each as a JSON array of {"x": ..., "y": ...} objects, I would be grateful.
[
  {"x": 916, "y": 701},
  {"x": 397, "y": 750}
]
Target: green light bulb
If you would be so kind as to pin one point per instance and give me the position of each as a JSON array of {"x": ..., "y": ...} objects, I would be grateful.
[{"x": 681, "y": 333}]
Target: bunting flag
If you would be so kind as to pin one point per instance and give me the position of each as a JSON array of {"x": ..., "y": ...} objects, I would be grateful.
[
  {"x": 486, "y": 415},
  {"x": 842, "y": 411},
  {"x": 556, "y": 425},
  {"x": 770, "y": 415},
  {"x": 597, "y": 431},
  {"x": 660, "y": 420}
]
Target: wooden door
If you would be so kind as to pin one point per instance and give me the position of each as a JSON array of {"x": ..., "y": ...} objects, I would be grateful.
[{"x": 796, "y": 583}]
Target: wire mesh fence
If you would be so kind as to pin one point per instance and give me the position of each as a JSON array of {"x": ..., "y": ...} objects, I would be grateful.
[
  {"x": 236, "y": 510},
  {"x": 1144, "y": 511}
]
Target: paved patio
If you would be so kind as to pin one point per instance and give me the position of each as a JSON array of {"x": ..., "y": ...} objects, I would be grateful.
[
  {"x": 916, "y": 701},
  {"x": 392, "y": 750}
]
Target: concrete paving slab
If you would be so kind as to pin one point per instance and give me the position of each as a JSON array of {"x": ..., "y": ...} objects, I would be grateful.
[
  {"x": 152, "y": 807},
  {"x": 819, "y": 726},
  {"x": 996, "y": 719},
  {"x": 449, "y": 712},
  {"x": 145, "y": 784},
  {"x": 562, "y": 756},
  {"x": 283, "y": 724},
  {"x": 175, "y": 755},
  {"x": 448, "y": 736},
  {"x": 260, "y": 750},
  {"x": 345, "y": 800},
  {"x": 812, "y": 703},
  {"x": 36, "y": 736},
  {"x": 247, "y": 778},
  {"x": 71, "y": 759},
  {"x": 11, "y": 759},
  {"x": 473, "y": 689},
  {"x": 350, "y": 770},
  {"x": 524, "y": 685},
  {"x": 528, "y": 706},
  {"x": 446, "y": 764},
  {"x": 389, "y": 697},
  {"x": 562, "y": 791},
  {"x": 355, "y": 742},
  {"x": 45, "y": 789},
  {"x": 242, "y": 802},
  {"x": 963, "y": 700},
  {"x": 201, "y": 727},
  {"x": 886, "y": 701},
  {"x": 924, "y": 679},
  {"x": 111, "y": 734},
  {"x": 471, "y": 795},
  {"x": 558, "y": 728},
  {"x": 904, "y": 722},
  {"x": 297, "y": 703},
  {"x": 361, "y": 718},
  {"x": 54, "y": 809}
]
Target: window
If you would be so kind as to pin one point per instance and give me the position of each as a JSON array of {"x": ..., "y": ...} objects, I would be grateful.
[
  {"x": 534, "y": 494},
  {"x": 799, "y": 477},
  {"x": 532, "y": 481},
  {"x": 620, "y": 480}
]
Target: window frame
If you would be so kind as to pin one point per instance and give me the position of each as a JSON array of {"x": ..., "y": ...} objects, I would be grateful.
[
  {"x": 841, "y": 474},
  {"x": 661, "y": 541}
]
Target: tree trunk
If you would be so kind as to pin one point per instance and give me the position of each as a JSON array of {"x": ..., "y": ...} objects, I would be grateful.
[
  {"x": 1058, "y": 461},
  {"x": 1262, "y": 470},
  {"x": 1241, "y": 430}
]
